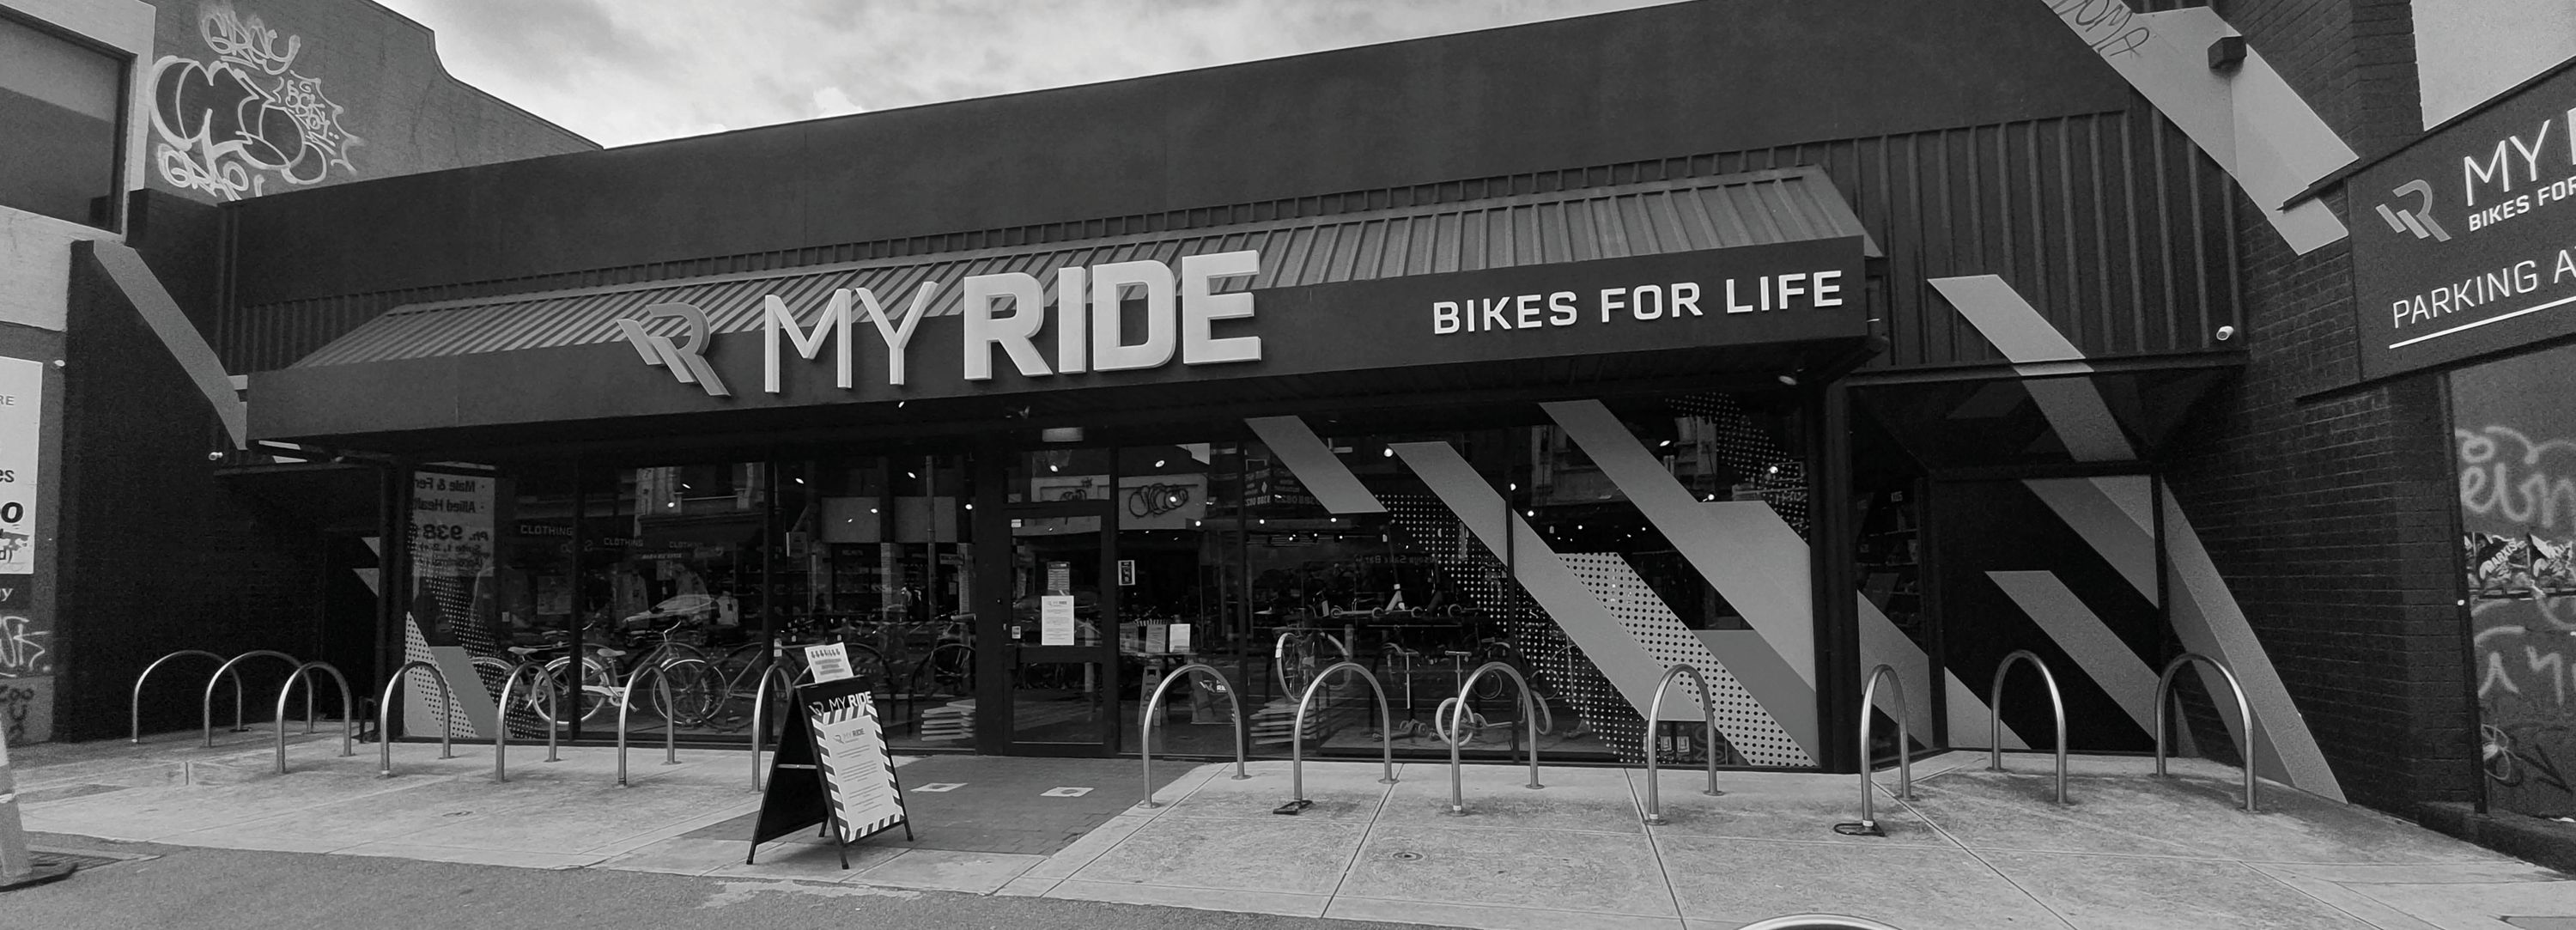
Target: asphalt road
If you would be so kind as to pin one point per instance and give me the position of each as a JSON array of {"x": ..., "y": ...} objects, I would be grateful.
[{"x": 220, "y": 889}]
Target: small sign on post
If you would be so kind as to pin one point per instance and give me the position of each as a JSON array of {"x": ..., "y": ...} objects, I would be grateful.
[
  {"x": 830, "y": 662},
  {"x": 1126, "y": 573}
]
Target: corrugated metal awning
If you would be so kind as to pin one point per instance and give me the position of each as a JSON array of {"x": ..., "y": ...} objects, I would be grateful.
[{"x": 1650, "y": 218}]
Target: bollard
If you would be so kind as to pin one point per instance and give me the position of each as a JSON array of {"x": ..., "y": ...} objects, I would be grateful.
[{"x": 19, "y": 868}]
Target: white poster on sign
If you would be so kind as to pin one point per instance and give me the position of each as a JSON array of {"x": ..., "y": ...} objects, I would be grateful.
[
  {"x": 22, "y": 389},
  {"x": 1055, "y": 617},
  {"x": 830, "y": 661},
  {"x": 1158, "y": 638},
  {"x": 1181, "y": 638},
  {"x": 851, "y": 751}
]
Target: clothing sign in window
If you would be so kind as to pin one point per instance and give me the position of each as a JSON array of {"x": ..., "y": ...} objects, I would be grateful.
[{"x": 59, "y": 100}]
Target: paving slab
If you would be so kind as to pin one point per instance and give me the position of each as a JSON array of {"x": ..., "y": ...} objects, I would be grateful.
[
  {"x": 1340, "y": 793},
  {"x": 1588, "y": 799},
  {"x": 1594, "y": 873},
  {"x": 1914, "y": 887},
  {"x": 1783, "y": 806},
  {"x": 2093, "y": 894},
  {"x": 1283, "y": 854}
]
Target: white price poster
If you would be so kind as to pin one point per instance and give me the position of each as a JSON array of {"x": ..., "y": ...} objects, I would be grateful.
[
  {"x": 855, "y": 764},
  {"x": 22, "y": 390},
  {"x": 1055, "y": 618}
]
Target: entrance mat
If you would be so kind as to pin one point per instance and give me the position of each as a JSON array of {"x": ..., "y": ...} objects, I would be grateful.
[{"x": 1002, "y": 804}]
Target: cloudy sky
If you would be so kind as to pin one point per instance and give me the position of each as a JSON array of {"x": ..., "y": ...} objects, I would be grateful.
[{"x": 628, "y": 71}]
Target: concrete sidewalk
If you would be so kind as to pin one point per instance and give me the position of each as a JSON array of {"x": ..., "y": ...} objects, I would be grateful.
[{"x": 1973, "y": 850}]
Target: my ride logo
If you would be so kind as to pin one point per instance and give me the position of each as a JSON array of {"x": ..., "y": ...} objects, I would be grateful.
[
  {"x": 2515, "y": 177},
  {"x": 2418, "y": 220}
]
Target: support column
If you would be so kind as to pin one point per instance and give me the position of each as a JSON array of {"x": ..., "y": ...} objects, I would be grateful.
[{"x": 1827, "y": 413}]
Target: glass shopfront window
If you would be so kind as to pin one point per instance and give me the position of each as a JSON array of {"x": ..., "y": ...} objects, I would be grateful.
[
  {"x": 1220, "y": 553},
  {"x": 1421, "y": 556}
]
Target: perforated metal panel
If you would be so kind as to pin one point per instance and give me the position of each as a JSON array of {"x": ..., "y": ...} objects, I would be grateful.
[{"x": 1746, "y": 725}]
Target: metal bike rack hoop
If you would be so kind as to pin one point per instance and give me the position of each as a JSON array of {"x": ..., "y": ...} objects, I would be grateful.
[
  {"x": 348, "y": 709},
  {"x": 1655, "y": 718},
  {"x": 774, "y": 672},
  {"x": 1995, "y": 727},
  {"x": 385, "y": 715},
  {"x": 2244, "y": 715},
  {"x": 538, "y": 676},
  {"x": 1531, "y": 708},
  {"x": 670, "y": 715},
  {"x": 1145, "y": 727},
  {"x": 207, "y": 708},
  {"x": 134, "y": 710},
  {"x": 1904, "y": 746},
  {"x": 1297, "y": 730}
]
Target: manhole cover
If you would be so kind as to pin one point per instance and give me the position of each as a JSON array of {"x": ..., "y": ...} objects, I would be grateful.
[{"x": 1407, "y": 856}]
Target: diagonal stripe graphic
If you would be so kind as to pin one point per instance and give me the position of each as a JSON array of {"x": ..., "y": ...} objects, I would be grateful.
[
  {"x": 1759, "y": 564},
  {"x": 1313, "y": 463},
  {"x": 1553, "y": 583}
]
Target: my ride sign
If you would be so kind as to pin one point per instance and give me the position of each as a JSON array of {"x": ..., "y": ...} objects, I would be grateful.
[
  {"x": 1075, "y": 324},
  {"x": 1187, "y": 320},
  {"x": 2464, "y": 244}
]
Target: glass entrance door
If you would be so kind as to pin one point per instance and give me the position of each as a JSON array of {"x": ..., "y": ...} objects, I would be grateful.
[{"x": 1060, "y": 639}]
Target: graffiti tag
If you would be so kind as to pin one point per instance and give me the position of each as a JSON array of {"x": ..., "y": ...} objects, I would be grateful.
[
  {"x": 21, "y": 649},
  {"x": 228, "y": 125},
  {"x": 2501, "y": 476},
  {"x": 16, "y": 701}
]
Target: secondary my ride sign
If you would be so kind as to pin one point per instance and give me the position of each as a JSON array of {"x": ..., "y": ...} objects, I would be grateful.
[
  {"x": 2465, "y": 243},
  {"x": 22, "y": 391}
]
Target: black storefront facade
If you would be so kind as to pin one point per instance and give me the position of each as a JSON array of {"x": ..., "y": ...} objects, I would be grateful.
[{"x": 1590, "y": 347}]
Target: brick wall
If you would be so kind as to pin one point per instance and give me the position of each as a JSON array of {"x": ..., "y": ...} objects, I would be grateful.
[{"x": 2332, "y": 514}]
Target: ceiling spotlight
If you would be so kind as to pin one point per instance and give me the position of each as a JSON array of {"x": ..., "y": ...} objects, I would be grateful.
[
  {"x": 1790, "y": 379},
  {"x": 1666, "y": 444},
  {"x": 1158, "y": 463},
  {"x": 1390, "y": 452},
  {"x": 911, "y": 475}
]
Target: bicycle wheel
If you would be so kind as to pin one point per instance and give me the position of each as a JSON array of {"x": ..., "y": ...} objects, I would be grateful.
[
  {"x": 595, "y": 692},
  {"x": 948, "y": 671},
  {"x": 869, "y": 665},
  {"x": 692, "y": 701},
  {"x": 1491, "y": 687}
]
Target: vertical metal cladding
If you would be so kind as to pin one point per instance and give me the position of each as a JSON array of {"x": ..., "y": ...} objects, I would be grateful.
[{"x": 2112, "y": 224}]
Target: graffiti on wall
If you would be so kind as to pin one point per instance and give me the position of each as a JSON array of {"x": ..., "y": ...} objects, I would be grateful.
[
  {"x": 21, "y": 715},
  {"x": 2518, "y": 547},
  {"x": 22, "y": 648},
  {"x": 231, "y": 123}
]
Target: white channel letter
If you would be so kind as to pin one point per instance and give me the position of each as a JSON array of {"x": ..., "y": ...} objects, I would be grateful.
[
  {"x": 1200, "y": 308},
  {"x": 1015, "y": 334},
  {"x": 775, "y": 318},
  {"x": 897, "y": 339},
  {"x": 1107, "y": 354},
  {"x": 1072, "y": 324}
]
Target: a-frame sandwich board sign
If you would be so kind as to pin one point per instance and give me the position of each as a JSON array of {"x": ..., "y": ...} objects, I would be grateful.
[{"x": 832, "y": 768}]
